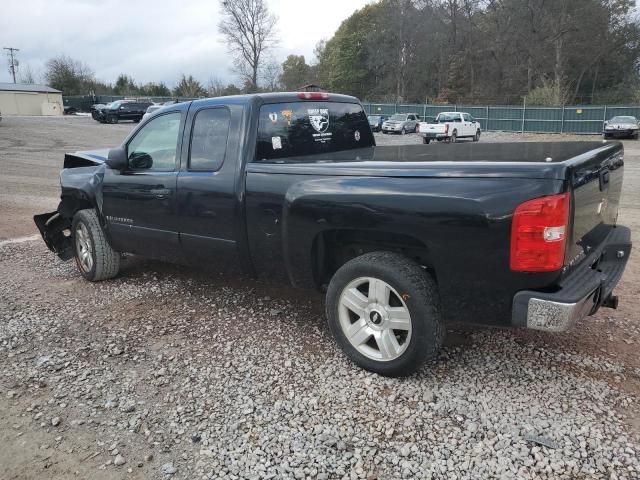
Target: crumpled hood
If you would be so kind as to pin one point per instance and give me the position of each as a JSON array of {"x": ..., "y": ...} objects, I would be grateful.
[{"x": 86, "y": 158}]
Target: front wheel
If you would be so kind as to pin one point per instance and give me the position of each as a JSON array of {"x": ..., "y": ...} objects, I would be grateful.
[
  {"x": 476, "y": 137},
  {"x": 426, "y": 141},
  {"x": 95, "y": 258},
  {"x": 403, "y": 131},
  {"x": 113, "y": 119},
  {"x": 384, "y": 313}
]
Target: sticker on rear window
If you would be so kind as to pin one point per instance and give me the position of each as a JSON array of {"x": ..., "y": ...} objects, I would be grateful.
[
  {"x": 319, "y": 118},
  {"x": 273, "y": 116},
  {"x": 276, "y": 142},
  {"x": 356, "y": 135}
]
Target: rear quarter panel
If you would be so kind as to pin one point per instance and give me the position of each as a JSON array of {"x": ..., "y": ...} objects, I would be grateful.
[{"x": 464, "y": 223}]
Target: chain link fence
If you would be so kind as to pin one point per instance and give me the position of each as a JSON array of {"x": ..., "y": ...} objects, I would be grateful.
[{"x": 512, "y": 118}]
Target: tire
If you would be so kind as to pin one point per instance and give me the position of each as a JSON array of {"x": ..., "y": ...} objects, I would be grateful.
[
  {"x": 454, "y": 137},
  {"x": 403, "y": 131},
  {"x": 410, "y": 290},
  {"x": 87, "y": 237},
  {"x": 384, "y": 132},
  {"x": 476, "y": 137},
  {"x": 426, "y": 141},
  {"x": 415, "y": 130}
]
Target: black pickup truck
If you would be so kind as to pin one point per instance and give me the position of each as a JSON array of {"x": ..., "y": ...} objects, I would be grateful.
[{"x": 291, "y": 187}]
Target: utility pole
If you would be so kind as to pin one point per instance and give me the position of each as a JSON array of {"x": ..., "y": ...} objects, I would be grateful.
[{"x": 13, "y": 61}]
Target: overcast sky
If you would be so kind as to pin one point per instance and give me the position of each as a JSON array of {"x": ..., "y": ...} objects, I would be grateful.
[{"x": 152, "y": 40}]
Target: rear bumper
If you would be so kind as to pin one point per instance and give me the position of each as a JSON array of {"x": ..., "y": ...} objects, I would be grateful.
[
  {"x": 581, "y": 293},
  {"x": 434, "y": 135}
]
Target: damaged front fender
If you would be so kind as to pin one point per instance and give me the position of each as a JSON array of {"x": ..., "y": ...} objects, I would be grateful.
[{"x": 81, "y": 188}]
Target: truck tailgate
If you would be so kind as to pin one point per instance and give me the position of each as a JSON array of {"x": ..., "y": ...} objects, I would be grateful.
[
  {"x": 435, "y": 128},
  {"x": 595, "y": 181}
]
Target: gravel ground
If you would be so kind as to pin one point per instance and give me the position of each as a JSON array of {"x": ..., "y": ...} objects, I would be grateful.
[{"x": 168, "y": 372}]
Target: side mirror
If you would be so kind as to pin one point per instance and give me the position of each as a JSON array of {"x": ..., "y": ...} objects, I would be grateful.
[{"x": 117, "y": 159}]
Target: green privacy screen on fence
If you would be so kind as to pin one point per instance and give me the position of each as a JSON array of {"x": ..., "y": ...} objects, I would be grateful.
[{"x": 510, "y": 118}]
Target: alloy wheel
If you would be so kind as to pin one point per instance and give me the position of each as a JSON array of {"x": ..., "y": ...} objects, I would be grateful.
[{"x": 375, "y": 319}]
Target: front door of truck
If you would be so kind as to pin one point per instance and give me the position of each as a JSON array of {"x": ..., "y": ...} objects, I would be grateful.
[
  {"x": 207, "y": 185},
  {"x": 146, "y": 222}
]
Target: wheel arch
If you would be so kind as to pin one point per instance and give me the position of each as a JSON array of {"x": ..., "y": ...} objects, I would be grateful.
[{"x": 333, "y": 248}]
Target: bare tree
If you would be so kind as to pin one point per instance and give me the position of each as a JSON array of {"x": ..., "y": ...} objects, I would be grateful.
[
  {"x": 26, "y": 75},
  {"x": 215, "y": 87},
  {"x": 250, "y": 31},
  {"x": 271, "y": 75}
]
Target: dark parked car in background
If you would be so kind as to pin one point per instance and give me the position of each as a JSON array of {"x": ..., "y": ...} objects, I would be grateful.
[
  {"x": 376, "y": 121},
  {"x": 122, "y": 110},
  {"x": 621, "y": 127},
  {"x": 95, "y": 110}
]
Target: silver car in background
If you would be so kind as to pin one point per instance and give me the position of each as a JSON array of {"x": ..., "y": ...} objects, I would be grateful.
[
  {"x": 151, "y": 109},
  {"x": 401, "y": 123},
  {"x": 622, "y": 126}
]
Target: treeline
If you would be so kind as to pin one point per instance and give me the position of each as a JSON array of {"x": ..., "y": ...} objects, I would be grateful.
[
  {"x": 76, "y": 78},
  {"x": 549, "y": 52},
  {"x": 485, "y": 51}
]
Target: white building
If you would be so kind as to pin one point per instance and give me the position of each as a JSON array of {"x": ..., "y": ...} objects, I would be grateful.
[{"x": 29, "y": 99}]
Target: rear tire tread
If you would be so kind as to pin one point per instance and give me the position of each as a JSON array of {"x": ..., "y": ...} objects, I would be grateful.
[{"x": 424, "y": 309}]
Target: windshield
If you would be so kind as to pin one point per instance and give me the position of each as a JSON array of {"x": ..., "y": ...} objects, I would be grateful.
[
  {"x": 398, "y": 117},
  {"x": 114, "y": 104},
  {"x": 624, "y": 120},
  {"x": 308, "y": 128},
  {"x": 448, "y": 117}
]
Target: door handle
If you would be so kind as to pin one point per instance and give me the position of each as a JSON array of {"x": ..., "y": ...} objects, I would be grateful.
[{"x": 160, "y": 193}]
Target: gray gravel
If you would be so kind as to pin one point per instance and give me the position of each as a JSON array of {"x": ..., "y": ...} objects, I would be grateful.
[{"x": 222, "y": 382}]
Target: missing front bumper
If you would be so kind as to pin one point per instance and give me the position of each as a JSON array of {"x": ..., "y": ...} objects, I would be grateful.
[{"x": 52, "y": 227}]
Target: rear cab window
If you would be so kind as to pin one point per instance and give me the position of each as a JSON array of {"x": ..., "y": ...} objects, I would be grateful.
[{"x": 296, "y": 129}]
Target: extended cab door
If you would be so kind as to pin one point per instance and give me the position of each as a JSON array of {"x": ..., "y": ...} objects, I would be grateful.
[
  {"x": 207, "y": 185},
  {"x": 139, "y": 202}
]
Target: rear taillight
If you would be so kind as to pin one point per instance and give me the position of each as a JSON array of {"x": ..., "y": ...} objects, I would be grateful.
[
  {"x": 313, "y": 95},
  {"x": 446, "y": 128},
  {"x": 539, "y": 234}
]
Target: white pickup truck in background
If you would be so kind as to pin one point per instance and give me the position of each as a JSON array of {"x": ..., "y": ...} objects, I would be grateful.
[{"x": 450, "y": 126}]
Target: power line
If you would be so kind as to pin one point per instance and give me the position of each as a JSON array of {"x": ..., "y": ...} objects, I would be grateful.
[{"x": 13, "y": 61}]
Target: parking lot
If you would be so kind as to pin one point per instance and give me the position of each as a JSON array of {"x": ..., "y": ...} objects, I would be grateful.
[{"x": 176, "y": 372}]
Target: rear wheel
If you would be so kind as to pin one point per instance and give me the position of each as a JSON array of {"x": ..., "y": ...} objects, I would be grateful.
[
  {"x": 454, "y": 137},
  {"x": 426, "y": 141},
  {"x": 95, "y": 258},
  {"x": 384, "y": 313},
  {"x": 113, "y": 119},
  {"x": 476, "y": 137}
]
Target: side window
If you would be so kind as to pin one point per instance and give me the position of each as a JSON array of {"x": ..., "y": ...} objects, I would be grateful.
[
  {"x": 411, "y": 117},
  {"x": 457, "y": 118},
  {"x": 209, "y": 139},
  {"x": 154, "y": 146}
]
